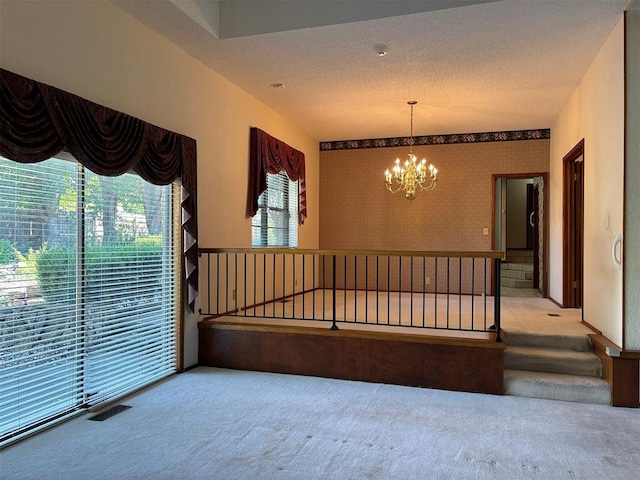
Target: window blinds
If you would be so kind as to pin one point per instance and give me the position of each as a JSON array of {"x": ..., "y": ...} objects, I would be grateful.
[{"x": 88, "y": 290}]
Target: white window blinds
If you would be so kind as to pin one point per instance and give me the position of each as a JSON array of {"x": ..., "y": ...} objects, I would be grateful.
[
  {"x": 276, "y": 221},
  {"x": 88, "y": 290}
]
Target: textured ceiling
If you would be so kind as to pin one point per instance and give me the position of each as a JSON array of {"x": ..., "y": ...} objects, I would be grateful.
[{"x": 490, "y": 66}]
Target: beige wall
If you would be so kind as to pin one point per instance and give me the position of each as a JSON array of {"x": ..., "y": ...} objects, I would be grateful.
[
  {"x": 357, "y": 211},
  {"x": 94, "y": 50},
  {"x": 594, "y": 112}
]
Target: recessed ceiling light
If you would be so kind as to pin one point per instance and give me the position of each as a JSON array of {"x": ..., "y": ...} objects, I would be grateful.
[
  {"x": 381, "y": 50},
  {"x": 277, "y": 85}
]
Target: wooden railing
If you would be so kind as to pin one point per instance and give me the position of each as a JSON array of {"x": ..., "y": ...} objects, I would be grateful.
[{"x": 439, "y": 290}]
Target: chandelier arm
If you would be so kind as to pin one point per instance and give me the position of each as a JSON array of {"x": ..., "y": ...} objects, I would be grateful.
[{"x": 429, "y": 187}]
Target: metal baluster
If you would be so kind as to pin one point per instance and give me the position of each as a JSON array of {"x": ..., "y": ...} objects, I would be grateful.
[
  {"x": 264, "y": 284},
  {"x": 448, "y": 287},
  {"x": 435, "y": 290},
  {"x": 424, "y": 287},
  {"x": 377, "y": 289},
  {"x": 324, "y": 285},
  {"x": 355, "y": 288},
  {"x": 366, "y": 289},
  {"x": 460, "y": 293},
  {"x": 484, "y": 294},
  {"x": 411, "y": 293},
  {"x": 496, "y": 306},
  {"x": 473, "y": 285},
  {"x": 344, "y": 287},
  {"x": 388, "y": 289},
  {"x": 334, "y": 326},
  {"x": 273, "y": 293}
]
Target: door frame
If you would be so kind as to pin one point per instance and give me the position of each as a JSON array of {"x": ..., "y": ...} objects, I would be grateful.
[
  {"x": 572, "y": 224},
  {"x": 543, "y": 286}
]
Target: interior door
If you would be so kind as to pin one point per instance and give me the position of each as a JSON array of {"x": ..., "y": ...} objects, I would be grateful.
[
  {"x": 573, "y": 229},
  {"x": 534, "y": 222},
  {"x": 578, "y": 261}
]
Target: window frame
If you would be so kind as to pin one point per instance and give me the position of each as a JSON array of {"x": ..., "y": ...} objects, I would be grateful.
[{"x": 289, "y": 234}]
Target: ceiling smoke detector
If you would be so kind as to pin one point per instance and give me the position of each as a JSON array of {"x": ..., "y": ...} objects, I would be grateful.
[{"x": 381, "y": 50}]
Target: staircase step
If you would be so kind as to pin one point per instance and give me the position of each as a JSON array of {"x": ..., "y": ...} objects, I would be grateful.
[
  {"x": 519, "y": 252},
  {"x": 556, "y": 386},
  {"x": 517, "y": 274},
  {"x": 514, "y": 283},
  {"x": 577, "y": 342},
  {"x": 523, "y": 267},
  {"x": 552, "y": 360}
]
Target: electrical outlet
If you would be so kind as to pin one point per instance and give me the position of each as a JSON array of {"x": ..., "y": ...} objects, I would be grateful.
[
  {"x": 233, "y": 295},
  {"x": 427, "y": 280}
]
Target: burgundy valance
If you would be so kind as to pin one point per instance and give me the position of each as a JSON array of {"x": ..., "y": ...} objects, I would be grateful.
[
  {"x": 270, "y": 155},
  {"x": 38, "y": 121}
]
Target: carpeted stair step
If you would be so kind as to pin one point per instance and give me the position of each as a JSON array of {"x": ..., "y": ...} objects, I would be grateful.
[
  {"x": 577, "y": 342},
  {"x": 516, "y": 274},
  {"x": 556, "y": 386},
  {"x": 515, "y": 283},
  {"x": 521, "y": 267},
  {"x": 552, "y": 360}
]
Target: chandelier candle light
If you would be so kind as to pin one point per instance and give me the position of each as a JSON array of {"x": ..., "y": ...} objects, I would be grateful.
[{"x": 412, "y": 176}]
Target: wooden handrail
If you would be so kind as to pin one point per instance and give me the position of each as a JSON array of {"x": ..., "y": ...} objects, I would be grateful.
[{"x": 380, "y": 253}]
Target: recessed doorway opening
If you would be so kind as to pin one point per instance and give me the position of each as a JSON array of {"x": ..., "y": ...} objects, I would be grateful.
[{"x": 520, "y": 230}]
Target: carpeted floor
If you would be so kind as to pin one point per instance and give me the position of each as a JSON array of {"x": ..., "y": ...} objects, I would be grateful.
[{"x": 221, "y": 424}]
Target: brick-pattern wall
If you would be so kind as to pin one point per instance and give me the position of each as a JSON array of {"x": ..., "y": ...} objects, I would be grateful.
[{"x": 358, "y": 212}]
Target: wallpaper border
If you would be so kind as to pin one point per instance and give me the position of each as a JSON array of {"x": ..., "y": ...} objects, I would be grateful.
[{"x": 514, "y": 135}]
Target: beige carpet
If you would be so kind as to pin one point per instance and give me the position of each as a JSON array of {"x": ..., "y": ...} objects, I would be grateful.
[
  {"x": 221, "y": 424},
  {"x": 525, "y": 314}
]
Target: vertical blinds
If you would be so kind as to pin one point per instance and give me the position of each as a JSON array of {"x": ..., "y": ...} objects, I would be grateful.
[
  {"x": 276, "y": 221},
  {"x": 88, "y": 290}
]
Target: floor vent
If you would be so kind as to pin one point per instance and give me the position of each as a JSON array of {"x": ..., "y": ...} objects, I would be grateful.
[
  {"x": 553, "y": 314},
  {"x": 101, "y": 417}
]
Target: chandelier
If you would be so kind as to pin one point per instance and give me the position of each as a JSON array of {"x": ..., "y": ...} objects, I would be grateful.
[{"x": 412, "y": 176}]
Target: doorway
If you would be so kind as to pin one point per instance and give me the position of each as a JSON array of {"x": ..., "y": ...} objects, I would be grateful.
[
  {"x": 519, "y": 225},
  {"x": 573, "y": 227}
]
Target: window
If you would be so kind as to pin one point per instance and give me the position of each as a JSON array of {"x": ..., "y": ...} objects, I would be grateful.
[
  {"x": 275, "y": 224},
  {"x": 88, "y": 290}
]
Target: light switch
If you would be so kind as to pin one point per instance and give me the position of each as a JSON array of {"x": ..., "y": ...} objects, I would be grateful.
[{"x": 485, "y": 231}]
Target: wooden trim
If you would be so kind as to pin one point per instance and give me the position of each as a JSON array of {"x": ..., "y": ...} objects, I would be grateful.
[
  {"x": 555, "y": 302},
  {"x": 547, "y": 246},
  {"x": 362, "y": 334},
  {"x": 370, "y": 253},
  {"x": 592, "y": 327},
  {"x": 568, "y": 219},
  {"x": 621, "y": 373}
]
